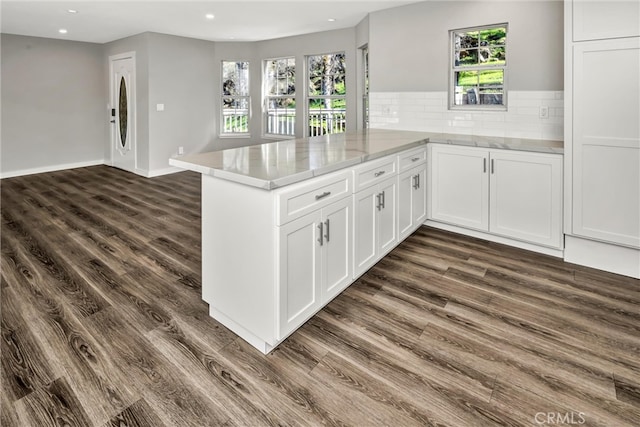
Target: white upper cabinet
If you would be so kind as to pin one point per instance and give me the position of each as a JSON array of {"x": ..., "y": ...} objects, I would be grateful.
[{"x": 595, "y": 20}]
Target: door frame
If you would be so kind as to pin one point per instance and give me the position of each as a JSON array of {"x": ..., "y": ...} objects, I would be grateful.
[{"x": 133, "y": 127}]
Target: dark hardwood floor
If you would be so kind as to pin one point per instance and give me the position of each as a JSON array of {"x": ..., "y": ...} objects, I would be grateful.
[{"x": 103, "y": 325}]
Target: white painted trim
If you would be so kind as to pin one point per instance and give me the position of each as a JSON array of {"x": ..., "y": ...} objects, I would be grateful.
[
  {"x": 603, "y": 256},
  {"x": 134, "y": 105},
  {"x": 497, "y": 239},
  {"x": 165, "y": 171},
  {"x": 51, "y": 168}
]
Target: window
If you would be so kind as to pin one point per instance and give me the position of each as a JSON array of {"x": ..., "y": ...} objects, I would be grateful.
[
  {"x": 235, "y": 98},
  {"x": 365, "y": 87},
  {"x": 479, "y": 67},
  {"x": 280, "y": 96},
  {"x": 326, "y": 94}
]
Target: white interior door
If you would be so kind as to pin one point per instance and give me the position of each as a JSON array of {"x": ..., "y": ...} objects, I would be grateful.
[{"x": 123, "y": 111}]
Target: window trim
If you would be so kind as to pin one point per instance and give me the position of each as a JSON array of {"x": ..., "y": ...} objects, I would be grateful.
[
  {"x": 266, "y": 97},
  {"x": 452, "y": 71},
  {"x": 222, "y": 133}
]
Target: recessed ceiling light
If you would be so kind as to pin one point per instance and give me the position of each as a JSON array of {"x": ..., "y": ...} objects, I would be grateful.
[
  {"x": 209, "y": 16},
  {"x": 62, "y": 31},
  {"x": 331, "y": 19},
  {"x": 72, "y": 11}
]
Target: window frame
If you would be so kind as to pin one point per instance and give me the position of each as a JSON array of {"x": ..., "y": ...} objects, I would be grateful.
[
  {"x": 453, "y": 69},
  {"x": 222, "y": 132},
  {"x": 266, "y": 97},
  {"x": 308, "y": 97}
]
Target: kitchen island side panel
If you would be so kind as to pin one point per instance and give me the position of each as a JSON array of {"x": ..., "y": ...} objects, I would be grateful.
[{"x": 239, "y": 255}]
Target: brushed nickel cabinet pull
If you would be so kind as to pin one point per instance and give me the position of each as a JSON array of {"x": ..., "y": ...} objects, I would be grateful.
[
  {"x": 492, "y": 168},
  {"x": 321, "y": 233},
  {"x": 415, "y": 159},
  {"x": 323, "y": 195},
  {"x": 377, "y": 174},
  {"x": 326, "y": 230},
  {"x": 484, "y": 165}
]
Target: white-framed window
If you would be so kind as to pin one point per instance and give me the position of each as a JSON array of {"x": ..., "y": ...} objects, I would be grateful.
[
  {"x": 365, "y": 87},
  {"x": 235, "y": 99},
  {"x": 279, "y": 79},
  {"x": 326, "y": 94},
  {"x": 479, "y": 67}
]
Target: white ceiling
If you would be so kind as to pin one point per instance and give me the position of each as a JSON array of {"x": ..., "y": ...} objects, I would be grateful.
[{"x": 239, "y": 20}]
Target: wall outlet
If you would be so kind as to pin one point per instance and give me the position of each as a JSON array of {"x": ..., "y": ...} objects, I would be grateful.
[
  {"x": 180, "y": 151},
  {"x": 544, "y": 112}
]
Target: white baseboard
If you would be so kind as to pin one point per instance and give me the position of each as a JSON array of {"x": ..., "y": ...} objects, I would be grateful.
[
  {"x": 165, "y": 171},
  {"x": 497, "y": 239},
  {"x": 52, "y": 168},
  {"x": 603, "y": 256}
]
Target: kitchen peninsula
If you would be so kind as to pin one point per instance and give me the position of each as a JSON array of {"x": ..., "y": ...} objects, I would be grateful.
[{"x": 287, "y": 226}]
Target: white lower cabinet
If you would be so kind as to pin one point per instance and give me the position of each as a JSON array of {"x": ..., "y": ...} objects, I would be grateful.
[
  {"x": 513, "y": 194},
  {"x": 412, "y": 200},
  {"x": 315, "y": 263},
  {"x": 375, "y": 224}
]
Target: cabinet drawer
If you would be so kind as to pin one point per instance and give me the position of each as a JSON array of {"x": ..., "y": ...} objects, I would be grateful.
[
  {"x": 411, "y": 158},
  {"x": 371, "y": 173},
  {"x": 300, "y": 199}
]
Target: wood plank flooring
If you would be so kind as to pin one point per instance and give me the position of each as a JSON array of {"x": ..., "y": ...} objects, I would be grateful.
[{"x": 103, "y": 325}]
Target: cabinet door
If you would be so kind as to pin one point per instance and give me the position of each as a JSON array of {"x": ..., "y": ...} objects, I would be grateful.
[
  {"x": 336, "y": 252},
  {"x": 459, "y": 186},
  {"x": 605, "y": 19},
  {"x": 526, "y": 197},
  {"x": 364, "y": 229},
  {"x": 299, "y": 272},
  {"x": 387, "y": 216},
  {"x": 419, "y": 196},
  {"x": 606, "y": 141},
  {"x": 405, "y": 203}
]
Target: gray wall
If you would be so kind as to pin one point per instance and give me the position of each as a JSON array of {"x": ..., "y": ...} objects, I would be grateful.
[
  {"x": 180, "y": 77},
  {"x": 409, "y": 45},
  {"x": 53, "y": 103},
  {"x": 177, "y": 72}
]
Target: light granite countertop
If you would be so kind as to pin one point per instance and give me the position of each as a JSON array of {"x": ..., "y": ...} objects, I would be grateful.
[{"x": 277, "y": 164}]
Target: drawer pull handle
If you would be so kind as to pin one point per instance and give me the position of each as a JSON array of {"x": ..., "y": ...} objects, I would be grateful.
[
  {"x": 415, "y": 159},
  {"x": 377, "y": 174},
  {"x": 323, "y": 195}
]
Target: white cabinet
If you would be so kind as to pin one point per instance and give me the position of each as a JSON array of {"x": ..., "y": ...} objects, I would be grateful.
[
  {"x": 375, "y": 224},
  {"x": 300, "y": 272},
  {"x": 525, "y": 197},
  {"x": 513, "y": 194},
  {"x": 606, "y": 141},
  {"x": 602, "y": 135},
  {"x": 459, "y": 187},
  {"x": 375, "y": 211},
  {"x": 412, "y": 200},
  {"x": 315, "y": 263},
  {"x": 604, "y": 19}
]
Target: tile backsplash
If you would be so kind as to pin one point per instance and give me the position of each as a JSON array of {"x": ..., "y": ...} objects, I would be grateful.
[{"x": 428, "y": 112}]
